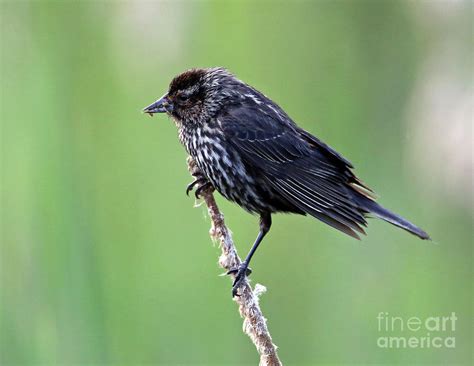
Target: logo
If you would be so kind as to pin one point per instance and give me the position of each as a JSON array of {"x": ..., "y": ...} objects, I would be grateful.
[{"x": 416, "y": 332}]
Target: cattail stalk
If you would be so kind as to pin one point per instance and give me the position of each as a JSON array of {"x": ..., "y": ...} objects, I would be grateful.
[{"x": 255, "y": 324}]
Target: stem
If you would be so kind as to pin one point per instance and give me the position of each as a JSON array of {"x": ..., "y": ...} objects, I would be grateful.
[{"x": 255, "y": 324}]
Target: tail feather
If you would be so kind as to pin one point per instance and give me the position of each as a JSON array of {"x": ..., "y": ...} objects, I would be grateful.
[{"x": 373, "y": 207}]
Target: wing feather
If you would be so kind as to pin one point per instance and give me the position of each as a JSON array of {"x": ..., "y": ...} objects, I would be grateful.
[{"x": 297, "y": 166}]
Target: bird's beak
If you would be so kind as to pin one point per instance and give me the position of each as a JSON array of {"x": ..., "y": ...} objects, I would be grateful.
[{"x": 162, "y": 105}]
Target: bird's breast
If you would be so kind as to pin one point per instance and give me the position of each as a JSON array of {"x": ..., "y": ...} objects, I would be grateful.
[{"x": 222, "y": 165}]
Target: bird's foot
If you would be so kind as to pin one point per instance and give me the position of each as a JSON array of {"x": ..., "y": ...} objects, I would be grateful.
[
  {"x": 240, "y": 273},
  {"x": 201, "y": 183}
]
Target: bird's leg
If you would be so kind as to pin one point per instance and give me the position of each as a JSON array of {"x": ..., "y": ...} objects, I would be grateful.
[
  {"x": 200, "y": 179},
  {"x": 243, "y": 270}
]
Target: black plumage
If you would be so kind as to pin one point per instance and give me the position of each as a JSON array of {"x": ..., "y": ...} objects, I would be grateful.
[{"x": 251, "y": 151}]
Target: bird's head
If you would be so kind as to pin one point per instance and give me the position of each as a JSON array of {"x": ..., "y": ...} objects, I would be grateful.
[{"x": 196, "y": 95}]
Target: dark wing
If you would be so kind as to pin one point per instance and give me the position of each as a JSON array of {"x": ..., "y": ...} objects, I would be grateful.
[{"x": 296, "y": 165}]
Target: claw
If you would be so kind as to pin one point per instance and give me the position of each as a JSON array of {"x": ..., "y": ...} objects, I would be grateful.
[
  {"x": 233, "y": 271},
  {"x": 240, "y": 274},
  {"x": 202, "y": 184},
  {"x": 235, "y": 292},
  {"x": 191, "y": 185},
  {"x": 195, "y": 182},
  {"x": 199, "y": 189}
]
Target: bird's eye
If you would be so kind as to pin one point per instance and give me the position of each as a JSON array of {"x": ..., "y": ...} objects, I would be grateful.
[{"x": 182, "y": 97}]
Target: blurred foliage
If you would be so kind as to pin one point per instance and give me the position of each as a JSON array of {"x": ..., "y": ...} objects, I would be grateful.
[{"x": 104, "y": 260}]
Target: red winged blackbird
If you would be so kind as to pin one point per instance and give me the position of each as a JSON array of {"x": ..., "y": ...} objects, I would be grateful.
[{"x": 247, "y": 148}]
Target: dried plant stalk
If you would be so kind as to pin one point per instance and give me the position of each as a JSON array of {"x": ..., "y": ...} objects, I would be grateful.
[{"x": 255, "y": 324}]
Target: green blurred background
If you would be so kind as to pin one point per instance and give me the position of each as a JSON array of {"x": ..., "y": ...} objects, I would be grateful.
[{"x": 104, "y": 260}]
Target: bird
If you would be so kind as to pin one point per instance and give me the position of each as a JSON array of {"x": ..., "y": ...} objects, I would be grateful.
[{"x": 247, "y": 148}]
